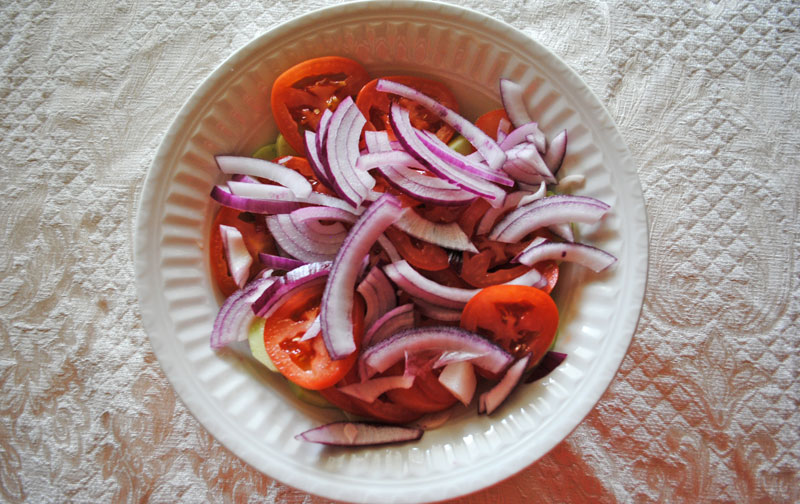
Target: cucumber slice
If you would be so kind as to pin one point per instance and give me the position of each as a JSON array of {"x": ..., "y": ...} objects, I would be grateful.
[
  {"x": 283, "y": 147},
  {"x": 268, "y": 152},
  {"x": 309, "y": 396},
  {"x": 255, "y": 336},
  {"x": 461, "y": 145}
]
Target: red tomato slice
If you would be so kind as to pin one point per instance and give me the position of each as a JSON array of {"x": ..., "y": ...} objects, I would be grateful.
[
  {"x": 422, "y": 255},
  {"x": 304, "y": 91},
  {"x": 307, "y": 363},
  {"x": 521, "y": 319},
  {"x": 472, "y": 215},
  {"x": 489, "y": 122},
  {"x": 256, "y": 237},
  {"x": 375, "y": 106}
]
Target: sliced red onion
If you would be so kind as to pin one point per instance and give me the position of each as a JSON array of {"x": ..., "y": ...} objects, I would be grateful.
[
  {"x": 378, "y": 295},
  {"x": 337, "y": 301},
  {"x": 312, "y": 331},
  {"x": 236, "y": 253},
  {"x": 389, "y": 248},
  {"x": 511, "y": 95},
  {"x": 495, "y": 397},
  {"x": 276, "y": 194},
  {"x": 380, "y": 357},
  {"x": 459, "y": 379},
  {"x": 488, "y": 220},
  {"x": 451, "y": 157},
  {"x": 585, "y": 255},
  {"x": 322, "y": 129},
  {"x": 528, "y": 132},
  {"x": 309, "y": 275},
  {"x": 420, "y": 287},
  {"x": 401, "y": 124},
  {"x": 244, "y": 178},
  {"x": 546, "y": 212},
  {"x": 488, "y": 148},
  {"x": 224, "y": 197},
  {"x": 435, "y": 312},
  {"x": 455, "y": 356},
  {"x": 391, "y": 322},
  {"x": 278, "y": 262},
  {"x": 235, "y": 315},
  {"x": 369, "y": 390},
  {"x": 549, "y": 362},
  {"x": 315, "y": 160},
  {"x": 448, "y": 235},
  {"x": 378, "y": 141},
  {"x": 401, "y": 170},
  {"x": 342, "y": 151},
  {"x": 275, "y": 172},
  {"x": 301, "y": 243},
  {"x": 525, "y": 164},
  {"x": 359, "y": 434},
  {"x": 556, "y": 152}
]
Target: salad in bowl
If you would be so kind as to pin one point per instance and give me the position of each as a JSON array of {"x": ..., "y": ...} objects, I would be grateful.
[{"x": 391, "y": 257}]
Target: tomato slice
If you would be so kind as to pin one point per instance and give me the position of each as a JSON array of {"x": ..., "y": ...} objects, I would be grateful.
[
  {"x": 420, "y": 254},
  {"x": 256, "y": 238},
  {"x": 307, "y": 363},
  {"x": 520, "y": 319},
  {"x": 489, "y": 122},
  {"x": 304, "y": 91},
  {"x": 472, "y": 215},
  {"x": 375, "y": 106}
]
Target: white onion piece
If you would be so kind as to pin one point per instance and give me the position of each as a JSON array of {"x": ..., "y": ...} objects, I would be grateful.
[
  {"x": 301, "y": 243},
  {"x": 369, "y": 390},
  {"x": 531, "y": 197},
  {"x": 322, "y": 129},
  {"x": 570, "y": 182},
  {"x": 448, "y": 235},
  {"x": 275, "y": 172},
  {"x": 380, "y": 357},
  {"x": 314, "y": 158},
  {"x": 359, "y": 434},
  {"x": 337, "y": 300},
  {"x": 546, "y": 212},
  {"x": 511, "y": 95},
  {"x": 556, "y": 152},
  {"x": 236, "y": 253},
  {"x": 378, "y": 295},
  {"x": 488, "y": 148},
  {"x": 489, "y": 401},
  {"x": 563, "y": 230},
  {"x": 525, "y": 164},
  {"x": 459, "y": 379},
  {"x": 299, "y": 278},
  {"x": 593, "y": 258},
  {"x": 503, "y": 127}
]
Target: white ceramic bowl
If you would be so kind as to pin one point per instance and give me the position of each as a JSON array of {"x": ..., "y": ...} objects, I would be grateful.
[{"x": 251, "y": 411}]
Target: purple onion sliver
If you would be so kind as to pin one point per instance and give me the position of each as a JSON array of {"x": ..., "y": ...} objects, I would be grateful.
[{"x": 278, "y": 262}]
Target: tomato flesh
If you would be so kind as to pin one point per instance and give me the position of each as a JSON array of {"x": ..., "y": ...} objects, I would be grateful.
[
  {"x": 375, "y": 105},
  {"x": 519, "y": 318},
  {"x": 302, "y": 93},
  {"x": 307, "y": 363},
  {"x": 490, "y": 121}
]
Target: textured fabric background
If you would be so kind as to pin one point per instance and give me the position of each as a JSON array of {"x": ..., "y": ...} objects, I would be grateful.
[{"x": 705, "y": 407}]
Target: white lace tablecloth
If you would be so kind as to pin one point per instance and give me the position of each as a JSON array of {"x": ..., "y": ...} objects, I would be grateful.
[{"x": 705, "y": 406}]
